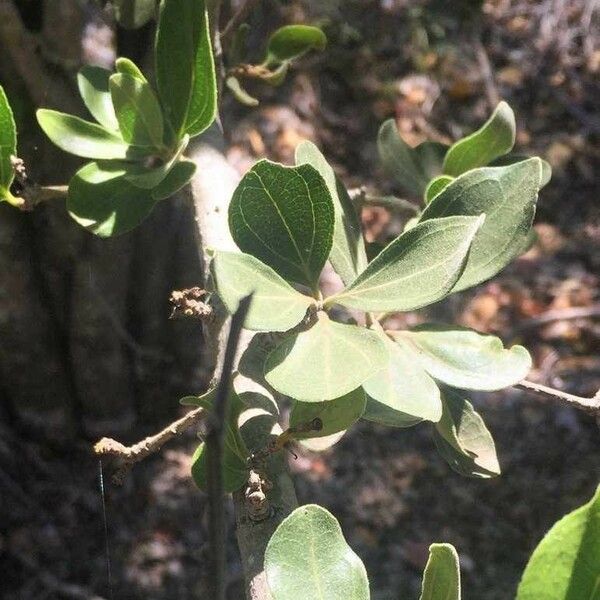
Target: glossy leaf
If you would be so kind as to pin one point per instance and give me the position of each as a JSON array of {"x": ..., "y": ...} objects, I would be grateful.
[
  {"x": 435, "y": 186},
  {"x": 507, "y": 196},
  {"x": 441, "y": 578},
  {"x": 137, "y": 109},
  {"x": 411, "y": 168},
  {"x": 125, "y": 65},
  {"x": 284, "y": 217},
  {"x": 133, "y": 14},
  {"x": 276, "y": 305},
  {"x": 76, "y": 136},
  {"x": 185, "y": 70},
  {"x": 566, "y": 564},
  {"x": 404, "y": 388},
  {"x": 348, "y": 256},
  {"x": 292, "y": 41},
  {"x": 326, "y": 361},
  {"x": 466, "y": 359},
  {"x": 101, "y": 200},
  {"x": 8, "y": 146},
  {"x": 495, "y": 138},
  {"x": 336, "y": 415},
  {"x": 307, "y": 557},
  {"x": 181, "y": 173},
  {"x": 463, "y": 440},
  {"x": 94, "y": 90},
  {"x": 416, "y": 269}
]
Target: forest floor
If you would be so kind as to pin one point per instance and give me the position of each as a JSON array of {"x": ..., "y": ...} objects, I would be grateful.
[{"x": 439, "y": 75}]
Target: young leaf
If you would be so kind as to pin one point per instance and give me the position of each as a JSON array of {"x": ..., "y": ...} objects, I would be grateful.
[
  {"x": 284, "y": 217},
  {"x": 404, "y": 387},
  {"x": 348, "y": 256},
  {"x": 463, "y": 440},
  {"x": 327, "y": 361},
  {"x": 292, "y": 41},
  {"x": 411, "y": 168},
  {"x": 133, "y": 14},
  {"x": 137, "y": 109},
  {"x": 177, "y": 177},
  {"x": 8, "y": 146},
  {"x": 466, "y": 359},
  {"x": 185, "y": 70},
  {"x": 336, "y": 415},
  {"x": 308, "y": 557},
  {"x": 441, "y": 578},
  {"x": 276, "y": 305},
  {"x": 566, "y": 564},
  {"x": 125, "y": 65},
  {"x": 101, "y": 200},
  {"x": 76, "y": 136},
  {"x": 507, "y": 196},
  {"x": 94, "y": 90},
  {"x": 435, "y": 186},
  {"x": 495, "y": 138},
  {"x": 416, "y": 269},
  {"x": 239, "y": 93}
]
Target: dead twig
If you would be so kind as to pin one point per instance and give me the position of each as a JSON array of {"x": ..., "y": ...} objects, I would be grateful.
[
  {"x": 30, "y": 193},
  {"x": 588, "y": 405}
]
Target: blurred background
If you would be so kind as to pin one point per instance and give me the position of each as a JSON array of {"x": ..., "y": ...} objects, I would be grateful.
[{"x": 87, "y": 349}]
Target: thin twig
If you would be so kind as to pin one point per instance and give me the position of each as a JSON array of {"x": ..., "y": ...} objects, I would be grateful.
[
  {"x": 237, "y": 19},
  {"x": 29, "y": 192},
  {"x": 588, "y": 405}
]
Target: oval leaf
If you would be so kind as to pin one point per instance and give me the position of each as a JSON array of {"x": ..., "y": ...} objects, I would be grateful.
[
  {"x": 348, "y": 255},
  {"x": 495, "y": 138},
  {"x": 441, "y": 578},
  {"x": 101, "y": 200},
  {"x": 292, "y": 41},
  {"x": 566, "y": 564},
  {"x": 435, "y": 186},
  {"x": 507, "y": 196},
  {"x": 284, "y": 217},
  {"x": 466, "y": 359},
  {"x": 327, "y": 361},
  {"x": 307, "y": 557},
  {"x": 94, "y": 90},
  {"x": 76, "y": 136},
  {"x": 8, "y": 145},
  {"x": 185, "y": 70},
  {"x": 463, "y": 440},
  {"x": 276, "y": 305},
  {"x": 416, "y": 269},
  {"x": 175, "y": 179}
]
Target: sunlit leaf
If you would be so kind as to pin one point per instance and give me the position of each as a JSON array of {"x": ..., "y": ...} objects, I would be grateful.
[
  {"x": 292, "y": 41},
  {"x": 94, "y": 89},
  {"x": 441, "y": 578},
  {"x": 178, "y": 176},
  {"x": 8, "y": 146},
  {"x": 435, "y": 186},
  {"x": 126, "y": 65}
]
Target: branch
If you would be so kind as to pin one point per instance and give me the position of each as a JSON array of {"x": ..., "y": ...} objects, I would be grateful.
[
  {"x": 588, "y": 405},
  {"x": 28, "y": 192}
]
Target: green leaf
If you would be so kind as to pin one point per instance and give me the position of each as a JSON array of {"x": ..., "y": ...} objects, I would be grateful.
[
  {"x": 403, "y": 387},
  {"x": 104, "y": 202},
  {"x": 76, "y": 136},
  {"x": 435, "y": 186},
  {"x": 133, "y": 14},
  {"x": 411, "y": 168},
  {"x": 507, "y": 196},
  {"x": 240, "y": 94},
  {"x": 566, "y": 564},
  {"x": 466, "y": 359},
  {"x": 416, "y": 269},
  {"x": 8, "y": 146},
  {"x": 327, "y": 361},
  {"x": 137, "y": 109},
  {"x": 348, "y": 256},
  {"x": 441, "y": 578},
  {"x": 94, "y": 90},
  {"x": 377, "y": 412},
  {"x": 276, "y": 305},
  {"x": 513, "y": 157},
  {"x": 495, "y": 138},
  {"x": 307, "y": 557},
  {"x": 178, "y": 176},
  {"x": 292, "y": 41},
  {"x": 185, "y": 69},
  {"x": 337, "y": 415},
  {"x": 127, "y": 66},
  {"x": 463, "y": 440},
  {"x": 284, "y": 216}
]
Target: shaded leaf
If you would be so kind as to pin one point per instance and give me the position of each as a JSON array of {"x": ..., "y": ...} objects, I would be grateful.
[
  {"x": 435, "y": 186},
  {"x": 94, "y": 90},
  {"x": 378, "y": 412},
  {"x": 463, "y": 440},
  {"x": 464, "y": 358},
  {"x": 441, "y": 578},
  {"x": 8, "y": 146},
  {"x": 284, "y": 217},
  {"x": 239, "y": 93},
  {"x": 416, "y": 269},
  {"x": 507, "y": 196},
  {"x": 307, "y": 557},
  {"x": 292, "y": 41},
  {"x": 133, "y": 14},
  {"x": 326, "y": 361},
  {"x": 566, "y": 563},
  {"x": 495, "y": 138},
  {"x": 178, "y": 176},
  {"x": 276, "y": 305},
  {"x": 348, "y": 256}
]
